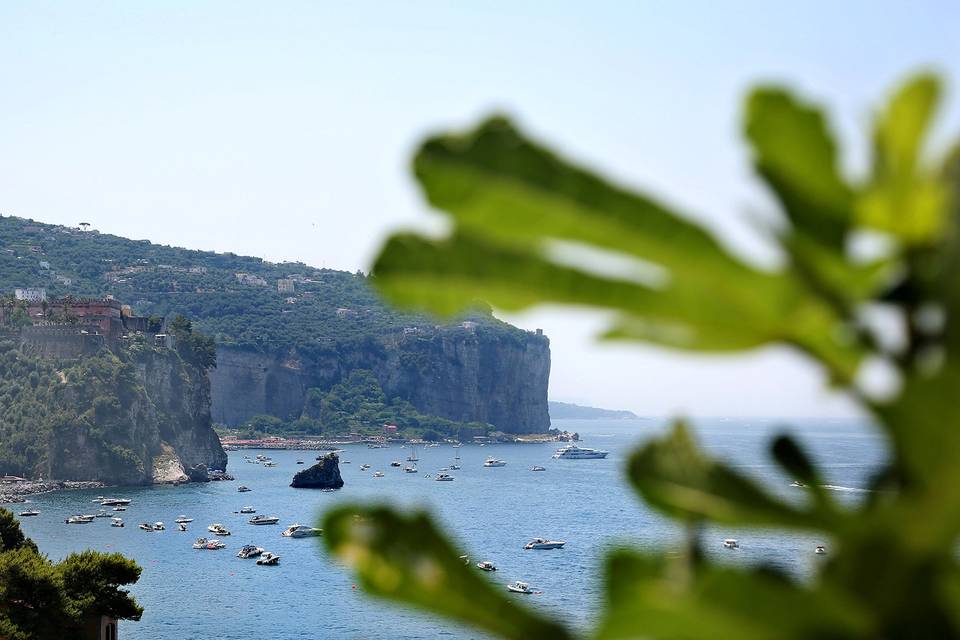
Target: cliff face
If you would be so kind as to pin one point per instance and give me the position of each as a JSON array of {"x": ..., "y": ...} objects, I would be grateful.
[
  {"x": 494, "y": 377},
  {"x": 323, "y": 475},
  {"x": 150, "y": 423}
]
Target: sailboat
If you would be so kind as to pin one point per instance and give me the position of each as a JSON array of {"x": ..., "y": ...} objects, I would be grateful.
[
  {"x": 413, "y": 454},
  {"x": 456, "y": 462}
]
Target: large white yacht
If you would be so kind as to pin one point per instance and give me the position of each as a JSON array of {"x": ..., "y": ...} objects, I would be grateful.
[
  {"x": 494, "y": 462},
  {"x": 573, "y": 452},
  {"x": 301, "y": 531}
]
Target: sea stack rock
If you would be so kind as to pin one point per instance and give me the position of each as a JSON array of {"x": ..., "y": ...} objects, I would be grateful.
[{"x": 323, "y": 475}]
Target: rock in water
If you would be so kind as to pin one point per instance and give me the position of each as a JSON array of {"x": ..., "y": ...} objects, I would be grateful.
[{"x": 323, "y": 475}]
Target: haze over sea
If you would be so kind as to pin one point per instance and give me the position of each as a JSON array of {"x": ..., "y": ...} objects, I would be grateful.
[{"x": 490, "y": 512}]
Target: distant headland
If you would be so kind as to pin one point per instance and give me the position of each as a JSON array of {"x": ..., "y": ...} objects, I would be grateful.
[{"x": 568, "y": 411}]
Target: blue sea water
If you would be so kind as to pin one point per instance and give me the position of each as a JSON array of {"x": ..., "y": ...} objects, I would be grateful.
[{"x": 489, "y": 512}]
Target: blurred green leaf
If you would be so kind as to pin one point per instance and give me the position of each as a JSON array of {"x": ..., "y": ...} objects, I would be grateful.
[
  {"x": 902, "y": 197},
  {"x": 796, "y": 155},
  {"x": 403, "y": 557},
  {"x": 657, "y": 597},
  {"x": 672, "y": 475}
]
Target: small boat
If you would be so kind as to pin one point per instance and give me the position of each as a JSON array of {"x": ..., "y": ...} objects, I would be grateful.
[
  {"x": 378, "y": 474},
  {"x": 466, "y": 559},
  {"x": 797, "y": 483},
  {"x": 396, "y": 463},
  {"x": 243, "y": 489},
  {"x": 182, "y": 526},
  {"x": 519, "y": 587},
  {"x": 119, "y": 508},
  {"x": 820, "y": 550},
  {"x": 543, "y": 544},
  {"x": 486, "y": 565},
  {"x": 345, "y": 461},
  {"x": 730, "y": 543},
  {"x": 249, "y": 551},
  {"x": 218, "y": 529},
  {"x": 264, "y": 520},
  {"x": 210, "y": 545},
  {"x": 247, "y": 510},
  {"x": 183, "y": 519},
  {"x": 27, "y": 514},
  {"x": 158, "y": 526},
  {"x": 268, "y": 559},
  {"x": 299, "y": 461},
  {"x": 493, "y": 462},
  {"x": 444, "y": 477},
  {"x": 409, "y": 469},
  {"x": 301, "y": 531},
  {"x": 413, "y": 455},
  {"x": 269, "y": 463},
  {"x": 79, "y": 519},
  {"x": 146, "y": 526},
  {"x": 113, "y": 502},
  {"x": 102, "y": 513},
  {"x": 537, "y": 467},
  {"x": 116, "y": 522},
  {"x": 364, "y": 467}
]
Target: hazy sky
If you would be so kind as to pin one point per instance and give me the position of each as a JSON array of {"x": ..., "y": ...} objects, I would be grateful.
[{"x": 285, "y": 129}]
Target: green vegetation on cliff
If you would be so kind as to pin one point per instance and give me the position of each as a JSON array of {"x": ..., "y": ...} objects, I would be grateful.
[
  {"x": 40, "y": 600},
  {"x": 359, "y": 405},
  {"x": 99, "y": 417},
  {"x": 233, "y": 298}
]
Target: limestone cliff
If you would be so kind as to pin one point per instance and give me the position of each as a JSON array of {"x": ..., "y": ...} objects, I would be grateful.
[
  {"x": 469, "y": 375},
  {"x": 135, "y": 416}
]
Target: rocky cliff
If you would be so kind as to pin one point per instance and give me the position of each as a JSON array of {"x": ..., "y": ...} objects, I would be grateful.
[
  {"x": 137, "y": 416},
  {"x": 468, "y": 375},
  {"x": 323, "y": 475}
]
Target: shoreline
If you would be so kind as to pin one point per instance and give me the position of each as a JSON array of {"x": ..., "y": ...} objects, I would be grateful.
[{"x": 16, "y": 492}]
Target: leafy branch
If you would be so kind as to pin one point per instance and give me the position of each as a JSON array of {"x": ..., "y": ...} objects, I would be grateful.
[{"x": 515, "y": 205}]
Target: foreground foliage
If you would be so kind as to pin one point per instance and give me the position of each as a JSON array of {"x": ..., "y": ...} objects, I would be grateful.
[
  {"x": 40, "y": 600},
  {"x": 517, "y": 208}
]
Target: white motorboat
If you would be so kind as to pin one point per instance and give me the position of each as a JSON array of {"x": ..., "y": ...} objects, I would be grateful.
[
  {"x": 247, "y": 510},
  {"x": 537, "y": 467},
  {"x": 79, "y": 519},
  {"x": 269, "y": 463},
  {"x": 268, "y": 559},
  {"x": 264, "y": 520},
  {"x": 249, "y": 551},
  {"x": 218, "y": 529},
  {"x": 243, "y": 489},
  {"x": 301, "y": 531},
  {"x": 409, "y": 469},
  {"x": 113, "y": 502},
  {"x": 378, "y": 474},
  {"x": 443, "y": 477},
  {"x": 543, "y": 544},
  {"x": 210, "y": 545},
  {"x": 573, "y": 452},
  {"x": 494, "y": 462},
  {"x": 158, "y": 526},
  {"x": 28, "y": 513},
  {"x": 486, "y": 565},
  {"x": 730, "y": 543},
  {"x": 364, "y": 467},
  {"x": 519, "y": 587},
  {"x": 183, "y": 520},
  {"x": 820, "y": 550},
  {"x": 102, "y": 513},
  {"x": 116, "y": 522},
  {"x": 146, "y": 526},
  {"x": 119, "y": 508}
]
